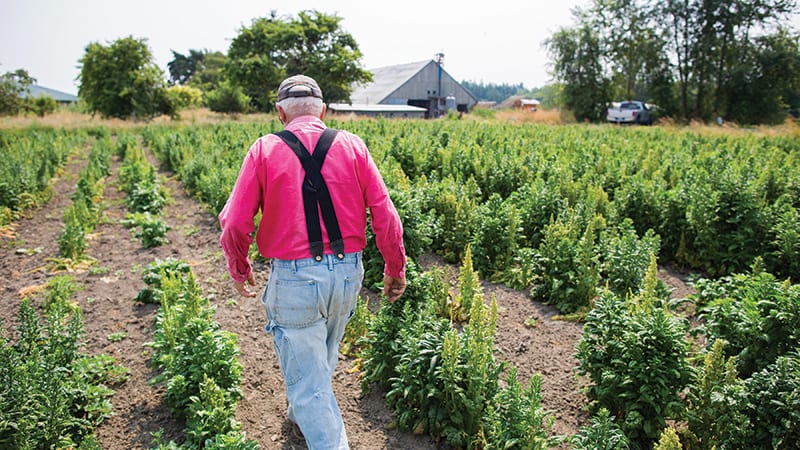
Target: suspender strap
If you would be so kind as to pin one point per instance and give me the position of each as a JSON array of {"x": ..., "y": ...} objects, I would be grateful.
[{"x": 316, "y": 196}]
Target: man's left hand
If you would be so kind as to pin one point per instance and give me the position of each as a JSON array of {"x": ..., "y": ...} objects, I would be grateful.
[{"x": 241, "y": 287}]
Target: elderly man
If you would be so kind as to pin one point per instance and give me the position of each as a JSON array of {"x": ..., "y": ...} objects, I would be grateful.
[{"x": 313, "y": 186}]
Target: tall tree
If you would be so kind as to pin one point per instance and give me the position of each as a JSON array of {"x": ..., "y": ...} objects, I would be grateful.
[
  {"x": 314, "y": 44},
  {"x": 577, "y": 62},
  {"x": 120, "y": 80},
  {"x": 630, "y": 43},
  {"x": 210, "y": 71},
  {"x": 709, "y": 39},
  {"x": 764, "y": 84},
  {"x": 182, "y": 67}
]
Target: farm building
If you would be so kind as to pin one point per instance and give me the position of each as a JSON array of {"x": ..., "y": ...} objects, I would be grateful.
[
  {"x": 519, "y": 102},
  {"x": 63, "y": 98},
  {"x": 409, "y": 90}
]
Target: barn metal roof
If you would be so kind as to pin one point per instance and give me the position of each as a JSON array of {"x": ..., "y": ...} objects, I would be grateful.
[
  {"x": 35, "y": 91},
  {"x": 385, "y": 81},
  {"x": 356, "y": 107}
]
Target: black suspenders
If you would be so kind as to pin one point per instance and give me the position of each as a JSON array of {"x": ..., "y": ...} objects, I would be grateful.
[{"x": 315, "y": 192}]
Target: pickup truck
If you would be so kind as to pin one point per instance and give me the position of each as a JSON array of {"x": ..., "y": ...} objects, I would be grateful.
[{"x": 630, "y": 112}]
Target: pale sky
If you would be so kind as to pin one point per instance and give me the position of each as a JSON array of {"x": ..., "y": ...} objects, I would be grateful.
[{"x": 499, "y": 41}]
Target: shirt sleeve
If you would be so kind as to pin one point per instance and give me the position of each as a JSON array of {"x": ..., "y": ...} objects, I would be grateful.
[
  {"x": 385, "y": 220},
  {"x": 236, "y": 218}
]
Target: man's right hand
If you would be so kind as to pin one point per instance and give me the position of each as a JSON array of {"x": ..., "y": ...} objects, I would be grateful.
[
  {"x": 241, "y": 287},
  {"x": 393, "y": 287}
]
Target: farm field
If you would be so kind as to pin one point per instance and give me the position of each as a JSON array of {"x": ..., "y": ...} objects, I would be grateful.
[{"x": 526, "y": 337}]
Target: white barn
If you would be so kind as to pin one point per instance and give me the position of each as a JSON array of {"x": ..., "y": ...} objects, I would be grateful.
[{"x": 409, "y": 90}]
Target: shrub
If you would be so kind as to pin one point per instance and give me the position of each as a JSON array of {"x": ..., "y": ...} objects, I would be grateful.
[
  {"x": 516, "y": 418},
  {"x": 757, "y": 315},
  {"x": 227, "y": 98},
  {"x": 710, "y": 403},
  {"x": 189, "y": 346},
  {"x": 155, "y": 273},
  {"x": 601, "y": 432},
  {"x": 41, "y": 105},
  {"x": 152, "y": 230},
  {"x": 496, "y": 236},
  {"x": 634, "y": 352},
  {"x": 51, "y": 394},
  {"x": 565, "y": 267},
  {"x": 624, "y": 257},
  {"x": 769, "y": 408}
]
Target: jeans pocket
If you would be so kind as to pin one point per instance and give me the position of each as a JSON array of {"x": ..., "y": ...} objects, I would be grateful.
[
  {"x": 290, "y": 368},
  {"x": 352, "y": 287},
  {"x": 296, "y": 304}
]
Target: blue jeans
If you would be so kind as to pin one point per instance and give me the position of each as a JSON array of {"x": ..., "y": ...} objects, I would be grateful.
[{"x": 308, "y": 304}]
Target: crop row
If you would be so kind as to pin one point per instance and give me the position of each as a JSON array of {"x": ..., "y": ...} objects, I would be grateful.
[
  {"x": 714, "y": 203},
  {"x": 197, "y": 361},
  {"x": 31, "y": 158},
  {"x": 563, "y": 211}
]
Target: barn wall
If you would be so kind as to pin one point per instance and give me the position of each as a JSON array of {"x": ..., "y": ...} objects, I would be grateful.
[{"x": 425, "y": 84}]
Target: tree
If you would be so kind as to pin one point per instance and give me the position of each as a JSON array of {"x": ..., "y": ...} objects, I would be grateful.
[
  {"x": 711, "y": 42},
  {"x": 181, "y": 68},
  {"x": 12, "y": 86},
  {"x": 201, "y": 69},
  {"x": 227, "y": 98},
  {"x": 314, "y": 44},
  {"x": 210, "y": 72},
  {"x": 577, "y": 63},
  {"x": 492, "y": 92},
  {"x": 764, "y": 81},
  {"x": 121, "y": 80}
]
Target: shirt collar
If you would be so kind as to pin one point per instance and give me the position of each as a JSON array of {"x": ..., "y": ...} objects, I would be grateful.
[{"x": 305, "y": 121}]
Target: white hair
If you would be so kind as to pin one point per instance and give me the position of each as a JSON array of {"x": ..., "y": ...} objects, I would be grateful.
[{"x": 301, "y": 106}]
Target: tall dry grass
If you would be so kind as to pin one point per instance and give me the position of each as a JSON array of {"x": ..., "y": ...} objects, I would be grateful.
[{"x": 72, "y": 119}]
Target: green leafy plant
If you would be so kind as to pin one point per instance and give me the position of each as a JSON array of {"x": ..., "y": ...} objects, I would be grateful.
[
  {"x": 669, "y": 440},
  {"x": 52, "y": 395},
  {"x": 155, "y": 272},
  {"x": 566, "y": 270},
  {"x": 634, "y": 353},
  {"x": 710, "y": 404},
  {"x": 72, "y": 239},
  {"x": 624, "y": 257},
  {"x": 152, "y": 230},
  {"x": 516, "y": 418},
  {"x": 601, "y": 432},
  {"x": 756, "y": 314}
]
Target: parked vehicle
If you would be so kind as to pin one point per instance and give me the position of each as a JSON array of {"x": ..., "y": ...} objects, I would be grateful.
[{"x": 630, "y": 112}]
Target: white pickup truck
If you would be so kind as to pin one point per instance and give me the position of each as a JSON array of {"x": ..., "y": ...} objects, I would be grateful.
[{"x": 630, "y": 112}]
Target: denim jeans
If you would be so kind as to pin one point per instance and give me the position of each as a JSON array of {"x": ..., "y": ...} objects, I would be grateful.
[{"x": 308, "y": 304}]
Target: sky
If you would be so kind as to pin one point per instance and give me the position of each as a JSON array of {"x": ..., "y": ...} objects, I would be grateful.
[{"x": 490, "y": 41}]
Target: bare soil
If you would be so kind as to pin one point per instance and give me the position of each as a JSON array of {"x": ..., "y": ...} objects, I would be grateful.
[{"x": 107, "y": 302}]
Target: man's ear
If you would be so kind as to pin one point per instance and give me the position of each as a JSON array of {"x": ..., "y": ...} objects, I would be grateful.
[
  {"x": 281, "y": 114},
  {"x": 324, "y": 109}
]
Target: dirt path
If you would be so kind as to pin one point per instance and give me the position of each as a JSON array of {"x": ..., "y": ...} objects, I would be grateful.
[{"x": 106, "y": 300}]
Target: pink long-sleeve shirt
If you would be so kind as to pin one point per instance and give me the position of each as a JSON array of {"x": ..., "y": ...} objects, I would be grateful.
[{"x": 271, "y": 180}]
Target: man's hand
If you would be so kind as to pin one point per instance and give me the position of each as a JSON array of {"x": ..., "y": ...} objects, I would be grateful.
[
  {"x": 241, "y": 288},
  {"x": 393, "y": 287}
]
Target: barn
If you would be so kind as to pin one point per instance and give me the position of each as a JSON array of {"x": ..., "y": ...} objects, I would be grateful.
[
  {"x": 35, "y": 91},
  {"x": 421, "y": 88}
]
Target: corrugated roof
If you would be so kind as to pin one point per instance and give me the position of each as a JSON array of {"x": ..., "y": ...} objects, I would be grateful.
[
  {"x": 35, "y": 90},
  {"x": 385, "y": 81},
  {"x": 355, "y": 107}
]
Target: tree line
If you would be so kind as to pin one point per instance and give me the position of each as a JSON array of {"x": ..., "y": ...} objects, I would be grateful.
[{"x": 694, "y": 59}]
